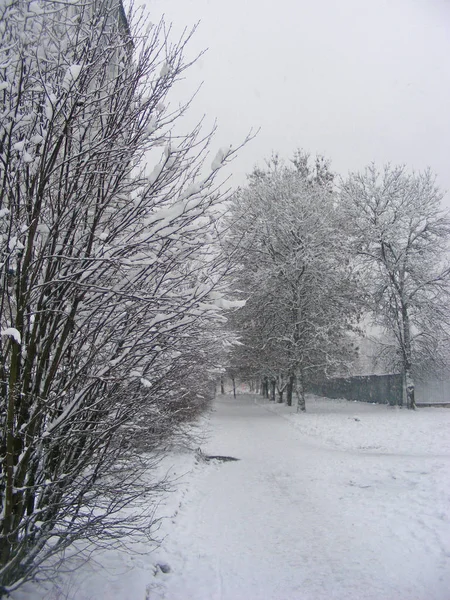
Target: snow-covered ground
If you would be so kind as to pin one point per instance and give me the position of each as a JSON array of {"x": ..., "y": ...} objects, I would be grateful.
[{"x": 350, "y": 501}]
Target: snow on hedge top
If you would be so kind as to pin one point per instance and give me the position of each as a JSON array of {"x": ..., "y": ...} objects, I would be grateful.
[
  {"x": 72, "y": 74},
  {"x": 220, "y": 158},
  {"x": 19, "y": 146},
  {"x": 13, "y": 333},
  {"x": 49, "y": 104},
  {"x": 217, "y": 302},
  {"x": 164, "y": 70}
]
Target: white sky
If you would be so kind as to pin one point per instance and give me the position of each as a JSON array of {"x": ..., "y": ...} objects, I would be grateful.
[{"x": 352, "y": 79}]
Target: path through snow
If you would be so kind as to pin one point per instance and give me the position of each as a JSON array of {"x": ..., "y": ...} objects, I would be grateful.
[
  {"x": 299, "y": 519},
  {"x": 349, "y": 501}
]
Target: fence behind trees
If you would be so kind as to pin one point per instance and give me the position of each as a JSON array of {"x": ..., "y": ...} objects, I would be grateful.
[
  {"x": 433, "y": 391},
  {"x": 381, "y": 389}
]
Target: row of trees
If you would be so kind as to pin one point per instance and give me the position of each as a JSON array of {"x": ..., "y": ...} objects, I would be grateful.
[
  {"x": 115, "y": 265},
  {"x": 317, "y": 256},
  {"x": 294, "y": 272},
  {"x": 111, "y": 274}
]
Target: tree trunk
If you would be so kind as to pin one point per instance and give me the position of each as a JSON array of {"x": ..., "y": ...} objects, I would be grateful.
[
  {"x": 301, "y": 403},
  {"x": 410, "y": 390},
  {"x": 407, "y": 361},
  {"x": 280, "y": 388},
  {"x": 222, "y": 386},
  {"x": 272, "y": 389},
  {"x": 289, "y": 390},
  {"x": 234, "y": 386}
]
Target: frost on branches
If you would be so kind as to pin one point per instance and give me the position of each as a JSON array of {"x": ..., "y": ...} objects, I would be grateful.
[
  {"x": 400, "y": 236},
  {"x": 294, "y": 268},
  {"x": 110, "y": 272}
]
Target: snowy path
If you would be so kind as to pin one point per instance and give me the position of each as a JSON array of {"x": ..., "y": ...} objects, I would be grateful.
[
  {"x": 296, "y": 519},
  {"x": 350, "y": 501}
]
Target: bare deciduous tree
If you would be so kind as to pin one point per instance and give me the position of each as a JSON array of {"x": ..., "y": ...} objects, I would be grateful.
[
  {"x": 111, "y": 273},
  {"x": 294, "y": 269},
  {"x": 400, "y": 235}
]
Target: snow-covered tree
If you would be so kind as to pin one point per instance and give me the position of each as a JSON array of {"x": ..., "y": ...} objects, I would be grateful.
[
  {"x": 401, "y": 238},
  {"x": 294, "y": 269},
  {"x": 111, "y": 275}
]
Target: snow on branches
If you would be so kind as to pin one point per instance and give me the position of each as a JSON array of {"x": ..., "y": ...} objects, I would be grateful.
[
  {"x": 109, "y": 265},
  {"x": 294, "y": 268},
  {"x": 400, "y": 236}
]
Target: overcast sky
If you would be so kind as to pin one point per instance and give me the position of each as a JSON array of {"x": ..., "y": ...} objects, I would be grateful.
[{"x": 357, "y": 81}]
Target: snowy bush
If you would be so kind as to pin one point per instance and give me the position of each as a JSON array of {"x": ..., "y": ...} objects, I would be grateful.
[{"x": 108, "y": 239}]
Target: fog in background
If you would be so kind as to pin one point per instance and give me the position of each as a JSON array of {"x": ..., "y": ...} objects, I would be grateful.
[{"x": 357, "y": 81}]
